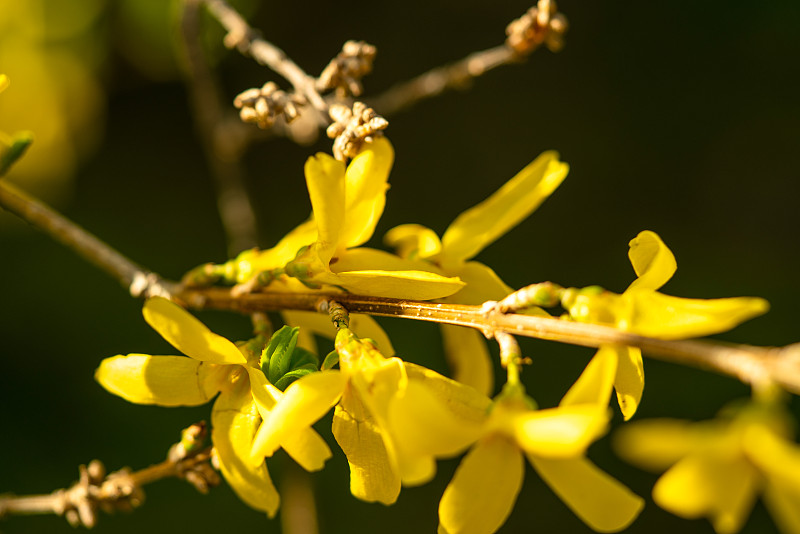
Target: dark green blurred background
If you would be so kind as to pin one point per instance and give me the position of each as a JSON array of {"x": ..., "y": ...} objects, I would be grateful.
[{"x": 682, "y": 118}]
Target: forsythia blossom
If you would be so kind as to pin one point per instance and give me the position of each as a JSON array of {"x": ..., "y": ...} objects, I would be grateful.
[
  {"x": 716, "y": 469},
  {"x": 482, "y": 493},
  {"x": 468, "y": 234},
  {"x": 214, "y": 365},
  {"x": 641, "y": 309}
]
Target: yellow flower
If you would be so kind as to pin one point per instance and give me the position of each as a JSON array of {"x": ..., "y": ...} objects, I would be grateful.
[
  {"x": 643, "y": 310},
  {"x": 485, "y": 486},
  {"x": 215, "y": 365},
  {"x": 467, "y": 235},
  {"x": 347, "y": 204},
  {"x": 717, "y": 468},
  {"x": 361, "y": 391}
]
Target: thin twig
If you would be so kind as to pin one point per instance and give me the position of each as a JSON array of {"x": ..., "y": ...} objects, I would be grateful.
[
  {"x": 216, "y": 129},
  {"x": 434, "y": 82},
  {"x": 245, "y": 39},
  {"x": 750, "y": 364},
  {"x": 120, "y": 490},
  {"x": 138, "y": 280}
]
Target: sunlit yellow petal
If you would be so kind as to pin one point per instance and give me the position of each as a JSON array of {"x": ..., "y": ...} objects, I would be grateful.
[
  {"x": 599, "y": 499},
  {"x": 307, "y": 448},
  {"x": 595, "y": 383},
  {"x": 415, "y": 470},
  {"x": 326, "y": 188},
  {"x": 656, "y": 444},
  {"x": 776, "y": 457},
  {"x": 362, "y": 325},
  {"x": 721, "y": 488},
  {"x": 482, "y": 284},
  {"x": 162, "y": 380},
  {"x": 562, "y": 432},
  {"x": 280, "y": 254},
  {"x": 482, "y": 224},
  {"x": 629, "y": 380},
  {"x": 423, "y": 421},
  {"x": 234, "y": 420},
  {"x": 416, "y": 285},
  {"x": 784, "y": 505},
  {"x": 303, "y": 403},
  {"x": 365, "y": 192},
  {"x": 3, "y": 82},
  {"x": 370, "y": 259},
  {"x": 374, "y": 475},
  {"x": 468, "y": 357},
  {"x": 413, "y": 241},
  {"x": 652, "y": 261},
  {"x": 261, "y": 390},
  {"x": 667, "y": 317},
  {"x": 189, "y": 335},
  {"x": 482, "y": 493}
]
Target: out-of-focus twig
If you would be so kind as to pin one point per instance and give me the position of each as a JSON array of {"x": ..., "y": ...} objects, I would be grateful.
[
  {"x": 541, "y": 24},
  {"x": 218, "y": 131},
  {"x": 246, "y": 40},
  {"x": 138, "y": 280},
  {"x": 120, "y": 490}
]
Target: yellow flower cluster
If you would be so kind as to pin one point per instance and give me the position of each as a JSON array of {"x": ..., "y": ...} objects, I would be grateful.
[
  {"x": 716, "y": 469},
  {"x": 394, "y": 419}
]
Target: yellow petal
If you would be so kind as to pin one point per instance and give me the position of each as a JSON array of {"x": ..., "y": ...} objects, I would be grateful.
[
  {"x": 629, "y": 380},
  {"x": 482, "y": 224},
  {"x": 484, "y": 488},
  {"x": 424, "y": 421},
  {"x": 413, "y": 241},
  {"x": 281, "y": 254},
  {"x": 326, "y": 187},
  {"x": 374, "y": 474},
  {"x": 656, "y": 444},
  {"x": 319, "y": 323},
  {"x": 162, "y": 380},
  {"x": 303, "y": 403},
  {"x": 415, "y": 285},
  {"x": 721, "y": 488},
  {"x": 563, "y": 432},
  {"x": 595, "y": 383},
  {"x": 370, "y": 259},
  {"x": 189, "y": 335},
  {"x": 415, "y": 470},
  {"x": 234, "y": 420},
  {"x": 307, "y": 448},
  {"x": 482, "y": 284},
  {"x": 3, "y": 82},
  {"x": 652, "y": 261},
  {"x": 778, "y": 459},
  {"x": 784, "y": 505},
  {"x": 365, "y": 192},
  {"x": 667, "y": 317},
  {"x": 468, "y": 357},
  {"x": 261, "y": 390},
  {"x": 600, "y": 500}
]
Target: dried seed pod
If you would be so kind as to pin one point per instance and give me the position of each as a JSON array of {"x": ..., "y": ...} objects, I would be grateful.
[
  {"x": 263, "y": 106},
  {"x": 542, "y": 24},
  {"x": 352, "y": 127},
  {"x": 345, "y": 71}
]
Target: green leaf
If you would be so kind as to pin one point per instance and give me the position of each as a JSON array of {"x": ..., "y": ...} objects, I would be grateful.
[
  {"x": 294, "y": 374},
  {"x": 19, "y": 143}
]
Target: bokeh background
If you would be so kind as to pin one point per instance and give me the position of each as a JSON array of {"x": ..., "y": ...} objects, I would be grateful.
[{"x": 682, "y": 118}]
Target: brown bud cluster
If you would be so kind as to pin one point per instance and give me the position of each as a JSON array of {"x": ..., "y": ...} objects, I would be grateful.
[
  {"x": 541, "y": 24},
  {"x": 352, "y": 127},
  {"x": 345, "y": 71},
  {"x": 263, "y": 106}
]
